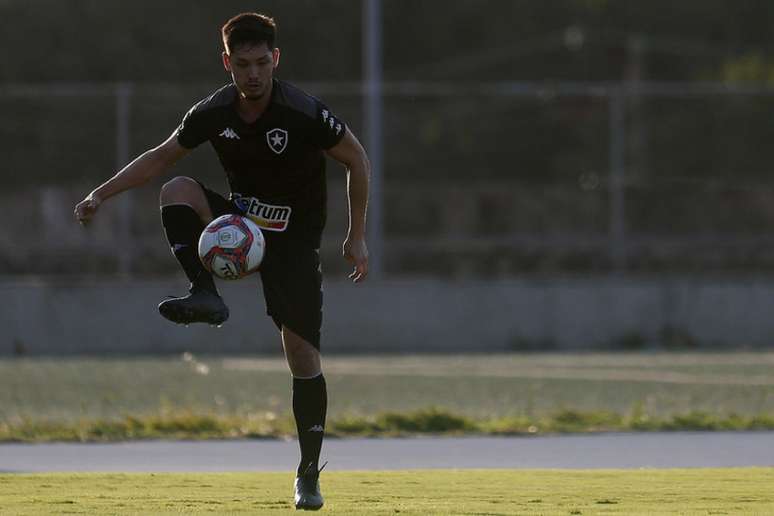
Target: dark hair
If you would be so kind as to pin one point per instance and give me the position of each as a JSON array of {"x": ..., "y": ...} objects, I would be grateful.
[{"x": 248, "y": 29}]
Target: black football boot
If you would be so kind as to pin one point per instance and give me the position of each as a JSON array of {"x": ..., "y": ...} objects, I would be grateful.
[
  {"x": 200, "y": 305},
  {"x": 307, "y": 487}
]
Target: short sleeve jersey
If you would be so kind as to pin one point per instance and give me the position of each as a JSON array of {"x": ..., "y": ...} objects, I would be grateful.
[{"x": 275, "y": 165}]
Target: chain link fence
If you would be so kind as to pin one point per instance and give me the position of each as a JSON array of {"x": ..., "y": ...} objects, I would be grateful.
[{"x": 480, "y": 180}]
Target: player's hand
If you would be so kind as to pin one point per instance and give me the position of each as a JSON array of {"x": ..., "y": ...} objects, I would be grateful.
[
  {"x": 356, "y": 253},
  {"x": 85, "y": 210}
]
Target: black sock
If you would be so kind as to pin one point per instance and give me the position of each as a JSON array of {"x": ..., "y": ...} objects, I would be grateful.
[
  {"x": 183, "y": 227},
  {"x": 310, "y": 402}
]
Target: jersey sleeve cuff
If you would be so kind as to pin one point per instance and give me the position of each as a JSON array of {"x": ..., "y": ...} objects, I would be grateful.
[
  {"x": 336, "y": 139},
  {"x": 183, "y": 141}
]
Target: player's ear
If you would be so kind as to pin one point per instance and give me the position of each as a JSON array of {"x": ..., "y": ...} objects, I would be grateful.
[
  {"x": 275, "y": 55},
  {"x": 226, "y": 62}
]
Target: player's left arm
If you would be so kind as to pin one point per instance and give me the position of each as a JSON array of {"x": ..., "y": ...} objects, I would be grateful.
[{"x": 350, "y": 153}]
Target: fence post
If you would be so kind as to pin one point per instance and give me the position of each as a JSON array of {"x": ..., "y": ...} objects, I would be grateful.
[{"x": 372, "y": 68}]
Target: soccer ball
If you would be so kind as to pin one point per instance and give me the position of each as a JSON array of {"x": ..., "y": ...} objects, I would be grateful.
[{"x": 231, "y": 247}]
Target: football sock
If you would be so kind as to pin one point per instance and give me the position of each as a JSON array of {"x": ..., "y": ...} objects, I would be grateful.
[
  {"x": 310, "y": 402},
  {"x": 183, "y": 227}
]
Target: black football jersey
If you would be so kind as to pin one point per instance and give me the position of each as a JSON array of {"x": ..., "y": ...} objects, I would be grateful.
[{"x": 275, "y": 165}]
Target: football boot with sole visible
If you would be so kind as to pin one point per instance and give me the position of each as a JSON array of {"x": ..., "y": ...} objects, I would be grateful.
[
  {"x": 307, "y": 487},
  {"x": 200, "y": 305}
]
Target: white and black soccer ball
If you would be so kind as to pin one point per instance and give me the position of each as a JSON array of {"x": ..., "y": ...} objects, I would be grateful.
[{"x": 231, "y": 247}]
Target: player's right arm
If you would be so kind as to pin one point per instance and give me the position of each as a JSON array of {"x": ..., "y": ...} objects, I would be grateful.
[{"x": 146, "y": 166}]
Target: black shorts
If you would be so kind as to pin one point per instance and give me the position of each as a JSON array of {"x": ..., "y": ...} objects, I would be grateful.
[{"x": 290, "y": 274}]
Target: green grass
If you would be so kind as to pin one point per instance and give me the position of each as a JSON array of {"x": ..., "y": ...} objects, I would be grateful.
[
  {"x": 428, "y": 421},
  {"x": 473, "y": 385},
  {"x": 470, "y": 492},
  {"x": 210, "y": 396}
]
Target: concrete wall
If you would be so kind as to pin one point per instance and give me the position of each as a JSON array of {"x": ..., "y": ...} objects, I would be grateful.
[{"x": 408, "y": 315}]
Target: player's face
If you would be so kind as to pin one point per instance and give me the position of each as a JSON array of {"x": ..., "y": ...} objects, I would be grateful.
[{"x": 252, "y": 67}]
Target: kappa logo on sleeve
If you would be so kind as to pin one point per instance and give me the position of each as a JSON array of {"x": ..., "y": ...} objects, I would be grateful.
[
  {"x": 267, "y": 216},
  {"x": 277, "y": 139},
  {"x": 329, "y": 119}
]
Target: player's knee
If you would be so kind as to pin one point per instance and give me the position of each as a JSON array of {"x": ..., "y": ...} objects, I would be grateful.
[
  {"x": 303, "y": 358},
  {"x": 180, "y": 190},
  {"x": 304, "y": 366}
]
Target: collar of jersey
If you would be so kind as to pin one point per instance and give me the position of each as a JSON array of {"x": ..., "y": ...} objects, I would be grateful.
[{"x": 257, "y": 121}]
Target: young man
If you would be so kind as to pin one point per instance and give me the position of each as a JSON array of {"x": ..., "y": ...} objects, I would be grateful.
[{"x": 271, "y": 139}]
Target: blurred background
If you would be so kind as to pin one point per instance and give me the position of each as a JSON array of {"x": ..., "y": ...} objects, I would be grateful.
[
  {"x": 577, "y": 174},
  {"x": 559, "y": 177}
]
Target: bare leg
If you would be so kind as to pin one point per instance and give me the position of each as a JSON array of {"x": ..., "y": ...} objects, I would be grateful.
[
  {"x": 186, "y": 191},
  {"x": 303, "y": 359}
]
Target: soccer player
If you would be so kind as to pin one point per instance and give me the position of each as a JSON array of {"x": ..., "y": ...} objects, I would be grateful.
[{"x": 271, "y": 139}]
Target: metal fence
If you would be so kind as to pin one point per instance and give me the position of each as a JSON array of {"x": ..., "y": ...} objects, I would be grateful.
[{"x": 480, "y": 180}]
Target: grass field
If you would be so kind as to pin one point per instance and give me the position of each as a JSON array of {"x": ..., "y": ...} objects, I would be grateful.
[
  {"x": 521, "y": 386},
  {"x": 148, "y": 394},
  {"x": 473, "y": 492}
]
